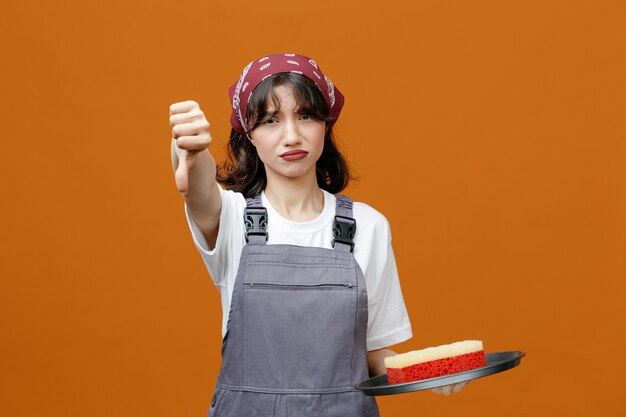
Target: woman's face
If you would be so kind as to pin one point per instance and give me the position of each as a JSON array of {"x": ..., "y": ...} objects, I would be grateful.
[{"x": 288, "y": 143}]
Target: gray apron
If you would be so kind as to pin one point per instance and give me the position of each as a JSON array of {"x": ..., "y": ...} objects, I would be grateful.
[{"x": 295, "y": 344}]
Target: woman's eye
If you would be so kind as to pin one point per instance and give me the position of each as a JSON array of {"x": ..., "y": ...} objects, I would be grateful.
[
  {"x": 270, "y": 121},
  {"x": 306, "y": 117}
]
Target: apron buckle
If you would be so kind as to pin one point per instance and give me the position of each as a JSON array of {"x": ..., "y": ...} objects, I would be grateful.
[
  {"x": 255, "y": 219},
  {"x": 344, "y": 229}
]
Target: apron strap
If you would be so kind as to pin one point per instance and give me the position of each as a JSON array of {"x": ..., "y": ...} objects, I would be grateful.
[
  {"x": 254, "y": 201},
  {"x": 344, "y": 226},
  {"x": 255, "y": 219}
]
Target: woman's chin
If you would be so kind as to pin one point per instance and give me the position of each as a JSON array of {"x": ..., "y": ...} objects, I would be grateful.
[{"x": 293, "y": 173}]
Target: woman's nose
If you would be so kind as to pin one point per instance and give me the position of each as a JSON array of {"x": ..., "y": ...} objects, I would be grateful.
[{"x": 291, "y": 133}]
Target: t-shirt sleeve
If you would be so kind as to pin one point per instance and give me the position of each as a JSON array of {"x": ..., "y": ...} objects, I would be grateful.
[
  {"x": 388, "y": 321},
  {"x": 229, "y": 241}
]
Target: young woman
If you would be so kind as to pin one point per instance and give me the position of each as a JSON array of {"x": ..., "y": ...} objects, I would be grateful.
[{"x": 310, "y": 292}]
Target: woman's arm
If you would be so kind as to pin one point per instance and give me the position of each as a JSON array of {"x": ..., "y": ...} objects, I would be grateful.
[
  {"x": 376, "y": 361},
  {"x": 194, "y": 167}
]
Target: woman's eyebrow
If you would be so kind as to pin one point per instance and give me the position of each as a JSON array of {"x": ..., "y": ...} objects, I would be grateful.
[
  {"x": 272, "y": 113},
  {"x": 269, "y": 114}
]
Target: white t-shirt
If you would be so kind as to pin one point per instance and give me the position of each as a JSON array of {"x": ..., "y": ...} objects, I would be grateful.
[{"x": 388, "y": 321}]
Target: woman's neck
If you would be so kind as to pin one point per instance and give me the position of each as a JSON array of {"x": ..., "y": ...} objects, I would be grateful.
[{"x": 296, "y": 200}]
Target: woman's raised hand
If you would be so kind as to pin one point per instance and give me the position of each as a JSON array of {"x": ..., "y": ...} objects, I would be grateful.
[{"x": 190, "y": 131}]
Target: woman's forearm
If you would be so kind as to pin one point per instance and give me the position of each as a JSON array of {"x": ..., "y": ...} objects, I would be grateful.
[
  {"x": 376, "y": 361},
  {"x": 201, "y": 192}
]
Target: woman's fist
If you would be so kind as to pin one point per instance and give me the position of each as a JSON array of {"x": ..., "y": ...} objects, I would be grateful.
[{"x": 190, "y": 131}]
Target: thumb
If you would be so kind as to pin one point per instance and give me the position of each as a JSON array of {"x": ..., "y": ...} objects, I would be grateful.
[{"x": 182, "y": 175}]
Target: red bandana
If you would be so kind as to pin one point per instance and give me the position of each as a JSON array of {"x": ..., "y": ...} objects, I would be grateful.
[{"x": 257, "y": 71}]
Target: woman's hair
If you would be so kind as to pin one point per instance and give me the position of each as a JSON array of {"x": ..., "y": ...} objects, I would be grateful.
[{"x": 243, "y": 170}]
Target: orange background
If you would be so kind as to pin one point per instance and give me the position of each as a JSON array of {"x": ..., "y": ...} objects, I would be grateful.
[{"x": 490, "y": 133}]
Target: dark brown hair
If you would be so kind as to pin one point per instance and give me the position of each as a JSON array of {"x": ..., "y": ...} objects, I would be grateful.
[{"x": 243, "y": 170}]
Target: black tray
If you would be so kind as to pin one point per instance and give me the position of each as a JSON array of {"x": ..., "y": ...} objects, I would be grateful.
[{"x": 496, "y": 362}]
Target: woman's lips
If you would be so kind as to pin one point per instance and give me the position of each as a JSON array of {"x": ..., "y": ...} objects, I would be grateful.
[{"x": 294, "y": 155}]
